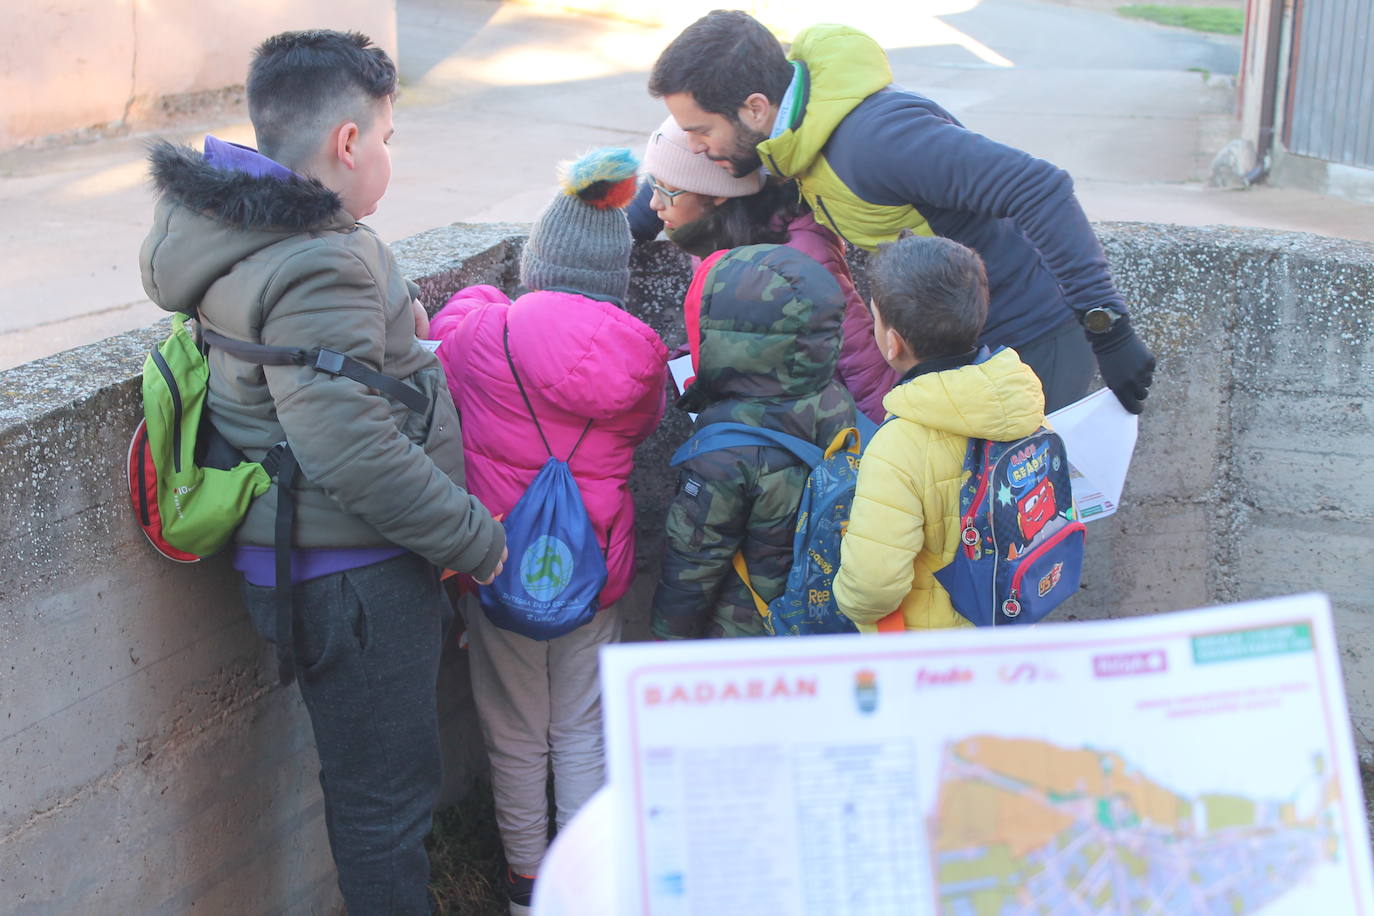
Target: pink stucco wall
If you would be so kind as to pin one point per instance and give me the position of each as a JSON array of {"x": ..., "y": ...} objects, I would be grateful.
[{"x": 72, "y": 64}]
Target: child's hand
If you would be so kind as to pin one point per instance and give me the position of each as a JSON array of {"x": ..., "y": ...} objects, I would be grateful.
[
  {"x": 421, "y": 319},
  {"x": 500, "y": 564}
]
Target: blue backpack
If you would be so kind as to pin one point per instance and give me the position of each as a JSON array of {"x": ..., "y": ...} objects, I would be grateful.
[
  {"x": 807, "y": 604},
  {"x": 556, "y": 568},
  {"x": 1021, "y": 548}
]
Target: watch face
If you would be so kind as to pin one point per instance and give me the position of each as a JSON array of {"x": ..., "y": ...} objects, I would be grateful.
[{"x": 1097, "y": 320}]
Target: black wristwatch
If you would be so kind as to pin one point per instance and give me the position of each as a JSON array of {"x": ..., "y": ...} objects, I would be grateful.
[{"x": 1099, "y": 320}]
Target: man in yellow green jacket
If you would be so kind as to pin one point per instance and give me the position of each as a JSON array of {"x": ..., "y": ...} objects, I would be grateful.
[
  {"x": 930, "y": 299},
  {"x": 872, "y": 159}
]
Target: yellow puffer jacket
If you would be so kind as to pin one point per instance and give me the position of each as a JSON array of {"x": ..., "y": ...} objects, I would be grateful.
[{"x": 905, "y": 522}]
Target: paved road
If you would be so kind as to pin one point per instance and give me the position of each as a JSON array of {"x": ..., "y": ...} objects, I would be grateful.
[{"x": 495, "y": 94}]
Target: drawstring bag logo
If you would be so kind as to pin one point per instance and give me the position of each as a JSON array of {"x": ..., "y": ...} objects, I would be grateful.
[{"x": 546, "y": 568}]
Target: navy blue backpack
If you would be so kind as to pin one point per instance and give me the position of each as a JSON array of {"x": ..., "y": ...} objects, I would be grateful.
[
  {"x": 807, "y": 604},
  {"x": 556, "y": 568},
  {"x": 1021, "y": 547}
]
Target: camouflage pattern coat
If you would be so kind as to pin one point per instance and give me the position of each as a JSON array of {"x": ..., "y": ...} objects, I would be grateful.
[{"x": 770, "y": 321}]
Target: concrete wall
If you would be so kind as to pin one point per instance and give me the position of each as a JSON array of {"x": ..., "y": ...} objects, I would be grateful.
[
  {"x": 1251, "y": 475},
  {"x": 72, "y": 64},
  {"x": 151, "y": 762},
  {"x": 152, "y": 765}
]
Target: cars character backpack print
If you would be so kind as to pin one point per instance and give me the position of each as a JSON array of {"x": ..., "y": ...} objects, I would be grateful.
[{"x": 1021, "y": 544}]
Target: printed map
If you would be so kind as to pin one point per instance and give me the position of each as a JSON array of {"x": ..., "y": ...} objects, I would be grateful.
[{"x": 1023, "y": 826}]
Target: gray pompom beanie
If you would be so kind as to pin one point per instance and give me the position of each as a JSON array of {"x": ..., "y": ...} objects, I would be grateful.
[{"x": 582, "y": 239}]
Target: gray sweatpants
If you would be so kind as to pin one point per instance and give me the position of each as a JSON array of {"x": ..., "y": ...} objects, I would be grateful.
[{"x": 540, "y": 708}]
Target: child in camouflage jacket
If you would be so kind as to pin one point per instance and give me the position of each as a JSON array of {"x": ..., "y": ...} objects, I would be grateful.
[{"x": 764, "y": 325}]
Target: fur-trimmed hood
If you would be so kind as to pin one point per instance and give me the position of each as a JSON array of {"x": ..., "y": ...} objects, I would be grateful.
[
  {"x": 273, "y": 260},
  {"x": 209, "y": 219},
  {"x": 240, "y": 199}
]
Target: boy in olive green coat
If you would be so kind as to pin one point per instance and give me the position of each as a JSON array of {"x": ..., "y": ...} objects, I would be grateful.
[{"x": 266, "y": 247}]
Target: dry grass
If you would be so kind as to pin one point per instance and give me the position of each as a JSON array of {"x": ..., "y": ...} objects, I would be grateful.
[{"x": 465, "y": 858}]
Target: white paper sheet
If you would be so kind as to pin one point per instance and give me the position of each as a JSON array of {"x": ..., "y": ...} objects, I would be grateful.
[
  {"x": 1179, "y": 763},
  {"x": 682, "y": 371},
  {"x": 1099, "y": 435}
]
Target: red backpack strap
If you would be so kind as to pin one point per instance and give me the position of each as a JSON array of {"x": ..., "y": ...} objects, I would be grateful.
[{"x": 691, "y": 306}]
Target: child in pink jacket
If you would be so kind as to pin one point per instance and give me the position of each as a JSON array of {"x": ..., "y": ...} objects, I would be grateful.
[{"x": 580, "y": 357}]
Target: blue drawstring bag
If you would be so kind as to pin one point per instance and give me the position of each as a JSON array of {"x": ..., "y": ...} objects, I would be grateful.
[{"x": 556, "y": 569}]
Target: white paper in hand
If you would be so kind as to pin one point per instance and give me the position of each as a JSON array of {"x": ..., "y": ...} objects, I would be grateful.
[
  {"x": 683, "y": 373},
  {"x": 1099, "y": 435}
]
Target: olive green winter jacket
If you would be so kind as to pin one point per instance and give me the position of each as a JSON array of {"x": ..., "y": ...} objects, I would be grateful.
[{"x": 279, "y": 262}]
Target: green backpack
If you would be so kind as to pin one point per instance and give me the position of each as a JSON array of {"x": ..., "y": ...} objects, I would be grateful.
[{"x": 190, "y": 489}]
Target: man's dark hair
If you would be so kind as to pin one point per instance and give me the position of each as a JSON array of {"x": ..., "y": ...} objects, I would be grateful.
[
  {"x": 302, "y": 84},
  {"x": 722, "y": 59},
  {"x": 933, "y": 292}
]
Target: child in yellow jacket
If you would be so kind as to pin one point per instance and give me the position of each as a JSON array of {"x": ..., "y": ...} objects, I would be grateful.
[{"x": 930, "y": 300}]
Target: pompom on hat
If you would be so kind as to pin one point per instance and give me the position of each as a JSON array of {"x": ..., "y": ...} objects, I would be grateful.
[
  {"x": 669, "y": 158},
  {"x": 582, "y": 239}
]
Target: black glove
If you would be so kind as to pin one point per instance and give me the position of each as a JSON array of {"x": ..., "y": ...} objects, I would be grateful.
[{"x": 1126, "y": 364}]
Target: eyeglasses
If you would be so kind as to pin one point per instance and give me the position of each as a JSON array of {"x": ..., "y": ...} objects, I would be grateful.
[{"x": 670, "y": 197}]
